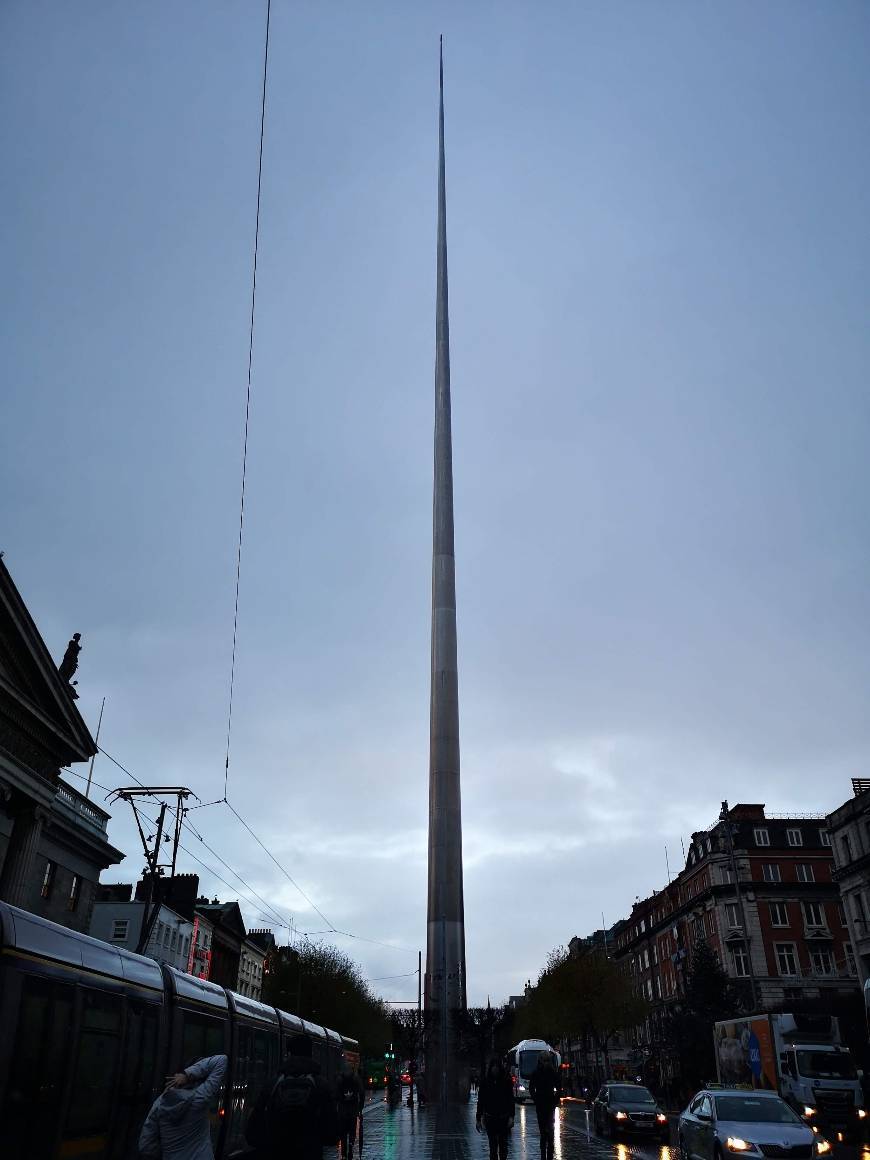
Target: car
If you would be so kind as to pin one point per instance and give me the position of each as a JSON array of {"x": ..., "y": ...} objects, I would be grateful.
[
  {"x": 628, "y": 1107},
  {"x": 720, "y": 1123}
]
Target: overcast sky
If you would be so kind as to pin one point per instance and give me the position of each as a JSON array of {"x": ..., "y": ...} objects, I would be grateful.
[{"x": 659, "y": 253}]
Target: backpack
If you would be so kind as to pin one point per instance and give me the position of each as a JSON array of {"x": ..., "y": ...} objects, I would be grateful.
[
  {"x": 293, "y": 1102},
  {"x": 348, "y": 1098}
]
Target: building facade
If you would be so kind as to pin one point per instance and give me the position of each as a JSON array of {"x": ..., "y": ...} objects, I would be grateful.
[
  {"x": 849, "y": 829},
  {"x": 53, "y": 841},
  {"x": 760, "y": 892},
  {"x": 119, "y": 922}
]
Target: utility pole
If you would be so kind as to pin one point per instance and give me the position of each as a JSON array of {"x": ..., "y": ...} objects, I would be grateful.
[
  {"x": 97, "y": 743},
  {"x": 155, "y": 867},
  {"x": 723, "y": 816}
]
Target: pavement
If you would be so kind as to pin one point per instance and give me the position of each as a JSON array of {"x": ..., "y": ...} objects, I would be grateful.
[{"x": 424, "y": 1133}]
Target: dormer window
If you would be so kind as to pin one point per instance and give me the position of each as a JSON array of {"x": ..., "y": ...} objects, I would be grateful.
[{"x": 762, "y": 836}]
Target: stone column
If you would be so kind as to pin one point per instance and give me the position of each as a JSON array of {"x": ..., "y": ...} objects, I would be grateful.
[{"x": 17, "y": 885}]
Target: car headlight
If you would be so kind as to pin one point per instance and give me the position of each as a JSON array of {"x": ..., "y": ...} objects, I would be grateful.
[
  {"x": 861, "y": 1113},
  {"x": 822, "y": 1147},
  {"x": 737, "y": 1144},
  {"x": 621, "y": 1116},
  {"x": 662, "y": 1118},
  {"x": 809, "y": 1111}
]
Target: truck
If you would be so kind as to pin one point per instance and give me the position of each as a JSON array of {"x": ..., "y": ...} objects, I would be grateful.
[{"x": 800, "y": 1056}]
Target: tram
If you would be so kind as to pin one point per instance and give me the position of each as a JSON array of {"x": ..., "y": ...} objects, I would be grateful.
[
  {"x": 522, "y": 1059},
  {"x": 90, "y": 1031}
]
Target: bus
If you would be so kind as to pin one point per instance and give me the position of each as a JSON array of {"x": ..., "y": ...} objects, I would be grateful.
[{"x": 522, "y": 1061}]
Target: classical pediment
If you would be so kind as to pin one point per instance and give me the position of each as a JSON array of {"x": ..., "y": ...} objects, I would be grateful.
[{"x": 41, "y": 725}]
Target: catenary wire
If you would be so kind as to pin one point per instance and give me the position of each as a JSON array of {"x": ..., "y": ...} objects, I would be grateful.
[
  {"x": 247, "y": 403},
  {"x": 274, "y": 917}
]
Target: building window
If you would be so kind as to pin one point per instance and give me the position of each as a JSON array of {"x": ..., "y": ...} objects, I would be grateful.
[
  {"x": 822, "y": 961},
  {"x": 825, "y": 837},
  {"x": 858, "y": 908},
  {"x": 851, "y": 966},
  {"x": 814, "y": 915},
  {"x": 805, "y": 872},
  {"x": 762, "y": 837},
  {"x": 741, "y": 962},
  {"x": 174, "y": 940},
  {"x": 120, "y": 927},
  {"x": 732, "y": 916},
  {"x": 794, "y": 837},
  {"x": 846, "y": 848},
  {"x": 48, "y": 879},
  {"x": 74, "y": 892},
  {"x": 770, "y": 872},
  {"x": 778, "y": 914},
  {"x": 786, "y": 960},
  {"x": 841, "y": 911}
]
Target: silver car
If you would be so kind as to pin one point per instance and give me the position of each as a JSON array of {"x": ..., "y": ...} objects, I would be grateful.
[{"x": 723, "y": 1123}]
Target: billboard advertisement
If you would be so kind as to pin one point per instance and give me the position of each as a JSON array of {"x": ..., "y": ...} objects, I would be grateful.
[{"x": 745, "y": 1053}]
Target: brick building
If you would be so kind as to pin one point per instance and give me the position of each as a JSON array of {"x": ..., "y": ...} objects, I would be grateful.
[{"x": 760, "y": 892}]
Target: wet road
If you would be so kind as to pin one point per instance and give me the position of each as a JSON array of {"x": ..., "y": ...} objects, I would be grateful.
[{"x": 403, "y": 1133}]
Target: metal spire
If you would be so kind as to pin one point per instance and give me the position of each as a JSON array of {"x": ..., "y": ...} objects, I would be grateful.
[{"x": 445, "y": 949}]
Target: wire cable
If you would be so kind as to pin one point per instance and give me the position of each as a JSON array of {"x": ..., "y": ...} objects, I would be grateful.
[
  {"x": 247, "y": 403},
  {"x": 286, "y": 874}
]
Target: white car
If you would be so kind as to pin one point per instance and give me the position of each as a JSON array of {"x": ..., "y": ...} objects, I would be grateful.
[{"x": 722, "y": 1123}]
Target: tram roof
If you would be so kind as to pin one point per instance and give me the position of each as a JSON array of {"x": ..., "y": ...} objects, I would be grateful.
[{"x": 38, "y": 936}]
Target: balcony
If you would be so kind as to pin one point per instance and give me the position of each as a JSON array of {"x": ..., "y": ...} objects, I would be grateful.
[{"x": 75, "y": 808}]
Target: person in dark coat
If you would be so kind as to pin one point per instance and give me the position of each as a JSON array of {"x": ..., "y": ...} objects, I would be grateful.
[
  {"x": 544, "y": 1090},
  {"x": 349, "y": 1098},
  {"x": 495, "y": 1108},
  {"x": 280, "y": 1131}
]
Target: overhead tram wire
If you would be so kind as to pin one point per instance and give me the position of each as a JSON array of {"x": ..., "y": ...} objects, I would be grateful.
[
  {"x": 331, "y": 928},
  {"x": 247, "y": 403},
  {"x": 274, "y": 917}
]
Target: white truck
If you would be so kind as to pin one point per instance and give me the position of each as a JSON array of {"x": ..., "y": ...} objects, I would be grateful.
[{"x": 802, "y": 1057}]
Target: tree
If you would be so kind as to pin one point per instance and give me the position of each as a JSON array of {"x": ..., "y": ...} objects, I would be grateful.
[
  {"x": 709, "y": 996},
  {"x": 581, "y": 994},
  {"x": 320, "y": 983}
]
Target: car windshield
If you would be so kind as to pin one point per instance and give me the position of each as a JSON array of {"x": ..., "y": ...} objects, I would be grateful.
[
  {"x": 825, "y": 1065},
  {"x": 755, "y": 1110},
  {"x": 631, "y": 1095}
]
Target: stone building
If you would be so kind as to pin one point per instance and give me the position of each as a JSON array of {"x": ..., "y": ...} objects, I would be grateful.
[
  {"x": 53, "y": 841},
  {"x": 849, "y": 829}
]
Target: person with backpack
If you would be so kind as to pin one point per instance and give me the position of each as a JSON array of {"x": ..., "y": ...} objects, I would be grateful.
[
  {"x": 350, "y": 1097},
  {"x": 177, "y": 1127},
  {"x": 296, "y": 1116}
]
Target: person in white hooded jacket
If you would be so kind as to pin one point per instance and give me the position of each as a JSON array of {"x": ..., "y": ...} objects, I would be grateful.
[{"x": 177, "y": 1126}]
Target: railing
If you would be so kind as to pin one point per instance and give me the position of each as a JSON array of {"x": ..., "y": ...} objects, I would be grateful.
[{"x": 84, "y": 812}]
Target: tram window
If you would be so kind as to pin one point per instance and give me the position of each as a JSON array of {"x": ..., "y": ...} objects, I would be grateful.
[
  {"x": 137, "y": 1075},
  {"x": 35, "y": 1086},
  {"x": 201, "y": 1036},
  {"x": 96, "y": 1066}
]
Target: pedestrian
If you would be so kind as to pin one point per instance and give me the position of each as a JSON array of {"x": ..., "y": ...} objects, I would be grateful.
[
  {"x": 495, "y": 1108},
  {"x": 296, "y": 1116},
  {"x": 544, "y": 1090},
  {"x": 177, "y": 1127},
  {"x": 349, "y": 1099}
]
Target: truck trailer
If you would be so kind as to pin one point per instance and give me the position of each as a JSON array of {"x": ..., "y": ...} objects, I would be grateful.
[{"x": 802, "y": 1057}]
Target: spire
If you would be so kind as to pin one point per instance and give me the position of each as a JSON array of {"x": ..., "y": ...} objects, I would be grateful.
[{"x": 445, "y": 942}]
